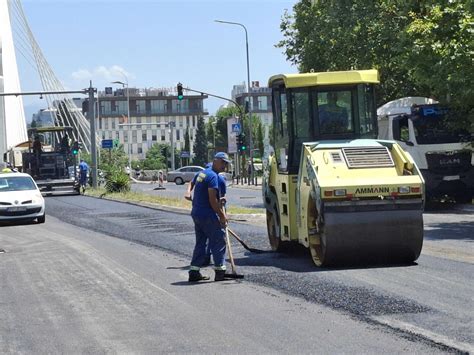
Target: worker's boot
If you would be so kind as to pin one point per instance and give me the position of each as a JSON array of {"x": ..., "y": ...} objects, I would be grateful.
[
  {"x": 220, "y": 275},
  {"x": 195, "y": 276}
]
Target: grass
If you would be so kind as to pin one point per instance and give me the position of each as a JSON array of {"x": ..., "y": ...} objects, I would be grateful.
[{"x": 164, "y": 201}]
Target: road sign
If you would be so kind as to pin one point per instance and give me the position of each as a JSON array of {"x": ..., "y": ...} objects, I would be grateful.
[
  {"x": 236, "y": 128},
  {"x": 107, "y": 143},
  {"x": 185, "y": 154}
]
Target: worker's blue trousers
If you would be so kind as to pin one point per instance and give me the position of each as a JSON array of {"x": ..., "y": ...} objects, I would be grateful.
[{"x": 208, "y": 229}]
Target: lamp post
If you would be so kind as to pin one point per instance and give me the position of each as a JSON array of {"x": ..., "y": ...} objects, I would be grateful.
[
  {"x": 248, "y": 91},
  {"x": 125, "y": 85}
]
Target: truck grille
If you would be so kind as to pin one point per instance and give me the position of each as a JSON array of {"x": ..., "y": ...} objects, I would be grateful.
[
  {"x": 368, "y": 157},
  {"x": 449, "y": 163}
]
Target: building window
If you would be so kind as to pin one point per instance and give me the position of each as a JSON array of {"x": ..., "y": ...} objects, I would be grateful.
[
  {"x": 106, "y": 123},
  {"x": 158, "y": 106},
  {"x": 153, "y": 137},
  {"x": 144, "y": 137},
  {"x": 105, "y": 108},
  {"x": 262, "y": 103},
  {"x": 194, "y": 121},
  {"x": 121, "y": 107},
  {"x": 141, "y": 108},
  {"x": 139, "y": 120},
  {"x": 140, "y": 150},
  {"x": 177, "y": 134},
  {"x": 113, "y": 123},
  {"x": 134, "y": 136},
  {"x": 163, "y": 135}
]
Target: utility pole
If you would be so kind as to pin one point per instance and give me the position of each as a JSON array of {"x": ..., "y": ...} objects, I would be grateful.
[{"x": 91, "y": 117}]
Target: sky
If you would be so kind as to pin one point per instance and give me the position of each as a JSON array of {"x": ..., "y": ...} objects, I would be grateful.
[{"x": 156, "y": 43}]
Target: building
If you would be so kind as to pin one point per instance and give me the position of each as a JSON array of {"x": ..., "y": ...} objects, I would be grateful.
[{"x": 156, "y": 116}]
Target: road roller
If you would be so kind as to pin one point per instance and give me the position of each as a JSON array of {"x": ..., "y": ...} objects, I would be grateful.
[{"x": 329, "y": 183}]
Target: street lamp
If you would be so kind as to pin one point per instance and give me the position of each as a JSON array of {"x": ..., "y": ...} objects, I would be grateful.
[
  {"x": 248, "y": 91},
  {"x": 128, "y": 116}
]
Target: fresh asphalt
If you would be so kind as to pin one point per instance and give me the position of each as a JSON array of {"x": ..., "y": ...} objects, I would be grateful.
[{"x": 427, "y": 302}]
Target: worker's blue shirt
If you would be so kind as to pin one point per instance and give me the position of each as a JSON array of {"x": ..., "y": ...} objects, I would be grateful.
[
  {"x": 204, "y": 180},
  {"x": 83, "y": 167}
]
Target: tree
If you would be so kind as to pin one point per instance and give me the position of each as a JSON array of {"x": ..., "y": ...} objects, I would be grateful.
[
  {"x": 200, "y": 144},
  {"x": 155, "y": 159},
  {"x": 441, "y": 56},
  {"x": 33, "y": 123},
  {"x": 420, "y": 48},
  {"x": 187, "y": 141},
  {"x": 114, "y": 158},
  {"x": 259, "y": 140}
]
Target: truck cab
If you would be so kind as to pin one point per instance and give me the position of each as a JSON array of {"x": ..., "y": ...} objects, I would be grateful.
[
  {"x": 48, "y": 158},
  {"x": 442, "y": 151}
]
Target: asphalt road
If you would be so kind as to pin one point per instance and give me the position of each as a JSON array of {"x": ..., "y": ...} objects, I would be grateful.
[
  {"x": 236, "y": 195},
  {"x": 126, "y": 294}
]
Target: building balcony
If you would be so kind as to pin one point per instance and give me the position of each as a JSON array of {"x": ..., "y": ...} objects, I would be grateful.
[{"x": 201, "y": 112}]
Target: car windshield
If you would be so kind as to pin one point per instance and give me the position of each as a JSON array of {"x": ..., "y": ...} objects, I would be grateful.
[{"x": 16, "y": 183}]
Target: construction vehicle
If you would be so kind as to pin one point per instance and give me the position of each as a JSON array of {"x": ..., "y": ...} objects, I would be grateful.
[
  {"x": 330, "y": 185},
  {"x": 442, "y": 151},
  {"x": 49, "y": 158}
]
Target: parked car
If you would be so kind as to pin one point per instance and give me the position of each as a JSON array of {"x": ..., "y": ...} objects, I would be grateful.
[
  {"x": 182, "y": 175},
  {"x": 20, "y": 198}
]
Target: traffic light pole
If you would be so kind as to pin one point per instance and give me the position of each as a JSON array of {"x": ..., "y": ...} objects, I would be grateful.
[{"x": 91, "y": 118}]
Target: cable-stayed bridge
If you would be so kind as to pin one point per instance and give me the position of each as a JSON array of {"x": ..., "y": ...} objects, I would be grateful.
[{"x": 16, "y": 38}]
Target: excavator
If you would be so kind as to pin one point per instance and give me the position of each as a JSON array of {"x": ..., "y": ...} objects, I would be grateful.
[{"x": 329, "y": 183}]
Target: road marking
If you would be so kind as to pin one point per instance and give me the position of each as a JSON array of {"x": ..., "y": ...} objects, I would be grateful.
[{"x": 435, "y": 337}]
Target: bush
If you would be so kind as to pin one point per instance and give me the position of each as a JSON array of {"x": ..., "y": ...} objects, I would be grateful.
[{"x": 117, "y": 181}]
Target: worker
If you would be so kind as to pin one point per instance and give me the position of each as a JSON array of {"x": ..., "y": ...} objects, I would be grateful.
[
  {"x": 65, "y": 143},
  {"x": 332, "y": 117},
  {"x": 222, "y": 191},
  {"x": 210, "y": 220},
  {"x": 83, "y": 170},
  {"x": 37, "y": 146}
]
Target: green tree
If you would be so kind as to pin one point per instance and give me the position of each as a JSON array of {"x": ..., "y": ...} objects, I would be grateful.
[
  {"x": 259, "y": 140},
  {"x": 115, "y": 158},
  {"x": 441, "y": 56},
  {"x": 200, "y": 144},
  {"x": 155, "y": 160},
  {"x": 344, "y": 35},
  {"x": 33, "y": 123}
]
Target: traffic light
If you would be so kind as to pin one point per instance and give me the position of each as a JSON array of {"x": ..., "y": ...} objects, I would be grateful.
[
  {"x": 180, "y": 91},
  {"x": 75, "y": 148},
  {"x": 241, "y": 147}
]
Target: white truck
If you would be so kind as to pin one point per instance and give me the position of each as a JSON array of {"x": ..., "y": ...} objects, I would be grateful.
[{"x": 443, "y": 153}]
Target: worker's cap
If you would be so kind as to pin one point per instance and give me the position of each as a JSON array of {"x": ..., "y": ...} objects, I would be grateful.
[
  {"x": 208, "y": 165},
  {"x": 223, "y": 156}
]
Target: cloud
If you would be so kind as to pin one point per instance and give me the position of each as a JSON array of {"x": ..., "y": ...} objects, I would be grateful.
[{"x": 102, "y": 74}]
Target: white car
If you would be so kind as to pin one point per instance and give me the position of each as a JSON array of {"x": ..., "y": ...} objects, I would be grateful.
[{"x": 20, "y": 198}]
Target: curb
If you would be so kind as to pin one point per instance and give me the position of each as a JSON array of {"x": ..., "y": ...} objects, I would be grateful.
[{"x": 258, "y": 219}]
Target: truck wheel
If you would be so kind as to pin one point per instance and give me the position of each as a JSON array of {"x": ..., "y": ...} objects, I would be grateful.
[
  {"x": 273, "y": 236},
  {"x": 178, "y": 181}
]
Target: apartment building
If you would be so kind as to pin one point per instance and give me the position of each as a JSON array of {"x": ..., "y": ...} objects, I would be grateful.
[{"x": 153, "y": 116}]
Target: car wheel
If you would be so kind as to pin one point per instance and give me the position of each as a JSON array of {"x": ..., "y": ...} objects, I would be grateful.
[
  {"x": 42, "y": 219},
  {"x": 179, "y": 181}
]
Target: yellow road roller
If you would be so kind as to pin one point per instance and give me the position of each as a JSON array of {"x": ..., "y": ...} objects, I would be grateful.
[{"x": 329, "y": 184}]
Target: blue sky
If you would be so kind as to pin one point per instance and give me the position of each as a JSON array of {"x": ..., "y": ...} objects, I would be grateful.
[{"x": 157, "y": 43}]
